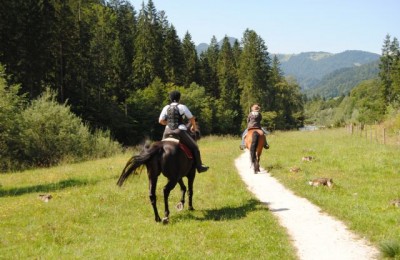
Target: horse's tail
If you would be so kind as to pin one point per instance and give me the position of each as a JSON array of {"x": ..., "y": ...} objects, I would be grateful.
[
  {"x": 253, "y": 147},
  {"x": 137, "y": 161}
]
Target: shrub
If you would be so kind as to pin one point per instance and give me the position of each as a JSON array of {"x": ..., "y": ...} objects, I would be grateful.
[
  {"x": 50, "y": 133},
  {"x": 10, "y": 107}
]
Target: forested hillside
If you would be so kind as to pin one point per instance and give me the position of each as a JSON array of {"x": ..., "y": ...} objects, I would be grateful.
[
  {"x": 114, "y": 65},
  {"x": 310, "y": 68},
  {"x": 342, "y": 81},
  {"x": 372, "y": 101}
]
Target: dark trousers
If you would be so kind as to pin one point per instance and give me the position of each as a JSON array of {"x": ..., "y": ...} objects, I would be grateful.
[{"x": 187, "y": 140}]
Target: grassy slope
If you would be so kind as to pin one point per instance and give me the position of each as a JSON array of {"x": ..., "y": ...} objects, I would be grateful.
[
  {"x": 366, "y": 175},
  {"x": 90, "y": 217}
]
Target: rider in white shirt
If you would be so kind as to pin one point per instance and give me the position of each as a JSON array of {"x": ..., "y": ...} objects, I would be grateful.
[{"x": 172, "y": 117}]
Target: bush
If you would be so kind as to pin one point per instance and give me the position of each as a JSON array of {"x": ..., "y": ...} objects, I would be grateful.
[
  {"x": 50, "y": 133},
  {"x": 10, "y": 107},
  {"x": 45, "y": 132}
]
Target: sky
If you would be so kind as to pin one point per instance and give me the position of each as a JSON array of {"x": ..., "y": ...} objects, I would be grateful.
[{"x": 287, "y": 26}]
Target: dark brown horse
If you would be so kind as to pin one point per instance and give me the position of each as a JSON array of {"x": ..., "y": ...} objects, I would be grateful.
[
  {"x": 255, "y": 142},
  {"x": 168, "y": 158}
]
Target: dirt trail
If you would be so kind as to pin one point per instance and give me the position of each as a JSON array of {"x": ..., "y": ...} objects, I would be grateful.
[{"x": 315, "y": 234}]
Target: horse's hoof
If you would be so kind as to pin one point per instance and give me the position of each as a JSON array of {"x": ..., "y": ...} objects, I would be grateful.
[
  {"x": 179, "y": 206},
  {"x": 165, "y": 220},
  {"x": 191, "y": 208}
]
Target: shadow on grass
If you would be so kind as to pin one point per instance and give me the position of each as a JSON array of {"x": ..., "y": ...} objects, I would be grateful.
[
  {"x": 43, "y": 188},
  {"x": 227, "y": 213}
]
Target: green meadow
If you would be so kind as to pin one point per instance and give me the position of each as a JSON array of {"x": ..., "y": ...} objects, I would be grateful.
[
  {"x": 90, "y": 217},
  {"x": 366, "y": 178}
]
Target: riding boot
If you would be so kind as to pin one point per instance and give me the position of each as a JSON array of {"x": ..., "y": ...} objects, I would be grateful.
[
  {"x": 266, "y": 145},
  {"x": 200, "y": 167}
]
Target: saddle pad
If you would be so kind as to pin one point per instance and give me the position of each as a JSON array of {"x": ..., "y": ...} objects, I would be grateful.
[
  {"x": 183, "y": 147},
  {"x": 186, "y": 150},
  {"x": 260, "y": 132}
]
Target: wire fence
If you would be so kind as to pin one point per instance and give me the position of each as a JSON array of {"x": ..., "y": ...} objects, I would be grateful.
[{"x": 375, "y": 133}]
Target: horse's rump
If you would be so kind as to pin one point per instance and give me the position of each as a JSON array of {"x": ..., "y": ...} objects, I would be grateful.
[
  {"x": 249, "y": 137},
  {"x": 182, "y": 146}
]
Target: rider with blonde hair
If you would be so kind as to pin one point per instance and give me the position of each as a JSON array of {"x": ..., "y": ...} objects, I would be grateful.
[{"x": 254, "y": 122}]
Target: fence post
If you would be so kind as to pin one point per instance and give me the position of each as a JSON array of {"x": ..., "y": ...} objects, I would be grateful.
[{"x": 384, "y": 135}]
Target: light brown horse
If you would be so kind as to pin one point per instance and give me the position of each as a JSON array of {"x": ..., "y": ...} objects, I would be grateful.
[{"x": 254, "y": 141}]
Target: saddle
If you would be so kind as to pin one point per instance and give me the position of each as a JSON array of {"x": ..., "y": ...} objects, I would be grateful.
[
  {"x": 182, "y": 146},
  {"x": 259, "y": 130}
]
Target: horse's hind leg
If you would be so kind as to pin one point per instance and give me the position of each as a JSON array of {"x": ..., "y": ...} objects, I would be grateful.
[
  {"x": 181, "y": 204},
  {"x": 153, "y": 197},
  {"x": 167, "y": 189},
  {"x": 257, "y": 165}
]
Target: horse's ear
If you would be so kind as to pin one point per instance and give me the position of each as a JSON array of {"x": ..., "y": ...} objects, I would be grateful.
[{"x": 146, "y": 143}]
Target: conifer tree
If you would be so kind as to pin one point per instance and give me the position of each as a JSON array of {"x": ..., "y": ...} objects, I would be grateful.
[
  {"x": 191, "y": 70},
  {"x": 228, "y": 110},
  {"x": 173, "y": 56},
  {"x": 205, "y": 73},
  {"x": 254, "y": 72},
  {"x": 125, "y": 28},
  {"x": 26, "y": 28},
  {"x": 395, "y": 72},
  {"x": 237, "y": 51},
  {"x": 148, "y": 63},
  {"x": 212, "y": 54},
  {"x": 389, "y": 70},
  {"x": 385, "y": 68}
]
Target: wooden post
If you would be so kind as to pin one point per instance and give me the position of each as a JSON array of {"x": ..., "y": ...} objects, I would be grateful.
[
  {"x": 384, "y": 135},
  {"x": 371, "y": 134}
]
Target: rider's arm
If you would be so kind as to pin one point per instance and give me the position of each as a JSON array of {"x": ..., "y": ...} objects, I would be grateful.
[
  {"x": 163, "y": 116},
  {"x": 193, "y": 122}
]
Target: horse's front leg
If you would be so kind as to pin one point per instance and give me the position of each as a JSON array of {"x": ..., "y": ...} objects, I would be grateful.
[
  {"x": 153, "y": 197},
  {"x": 191, "y": 176},
  {"x": 181, "y": 203},
  {"x": 167, "y": 189}
]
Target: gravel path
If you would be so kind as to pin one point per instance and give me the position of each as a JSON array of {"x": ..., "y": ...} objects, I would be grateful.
[{"x": 315, "y": 234}]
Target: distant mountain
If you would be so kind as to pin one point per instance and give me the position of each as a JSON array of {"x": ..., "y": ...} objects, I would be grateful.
[
  {"x": 329, "y": 74},
  {"x": 342, "y": 81},
  {"x": 309, "y": 68},
  {"x": 204, "y": 46}
]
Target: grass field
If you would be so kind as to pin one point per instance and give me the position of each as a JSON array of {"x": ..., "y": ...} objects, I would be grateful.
[
  {"x": 89, "y": 217},
  {"x": 366, "y": 177}
]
